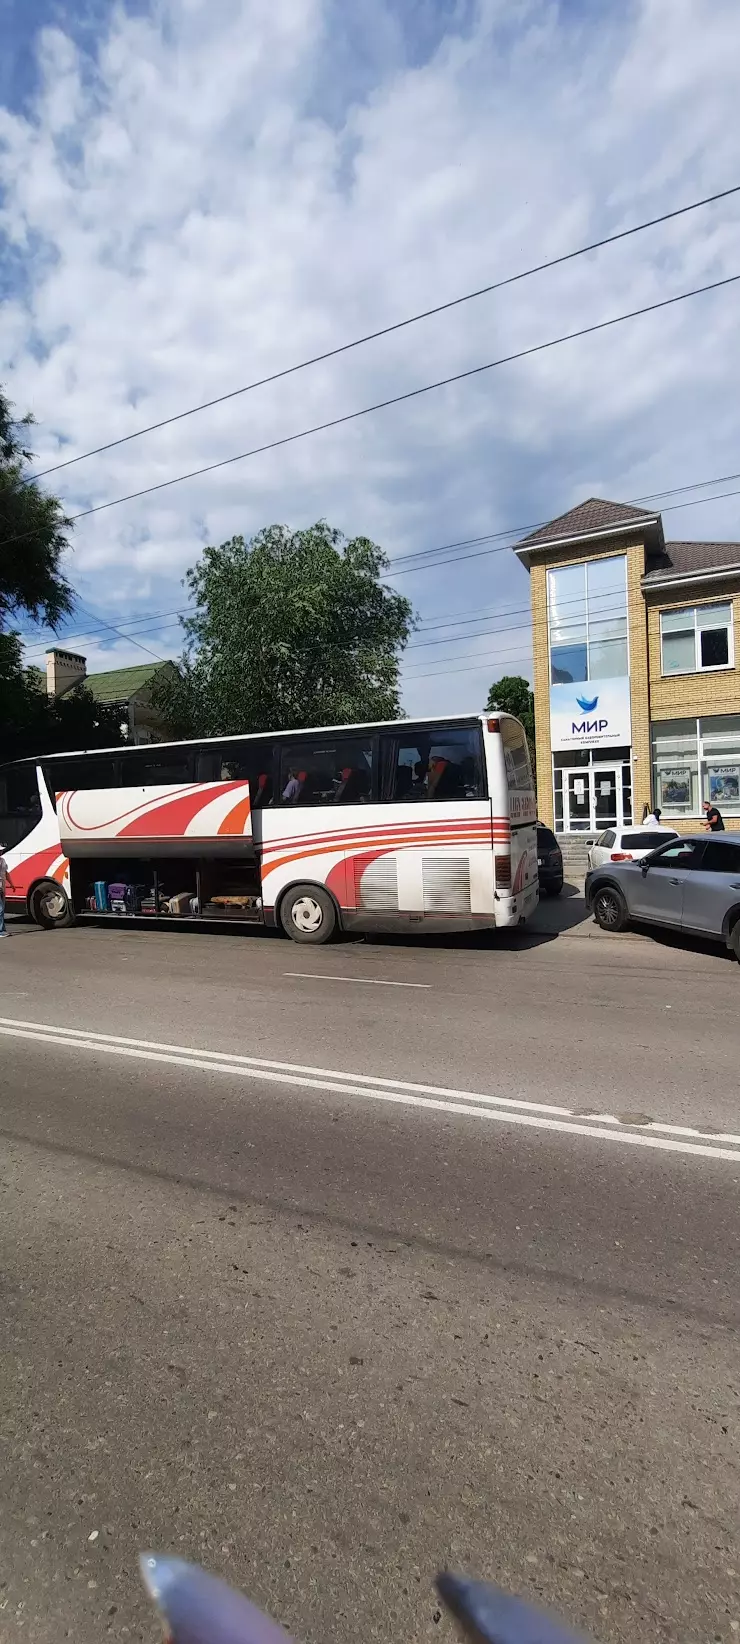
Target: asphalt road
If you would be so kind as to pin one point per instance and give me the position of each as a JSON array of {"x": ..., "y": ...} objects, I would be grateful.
[{"x": 330, "y": 1267}]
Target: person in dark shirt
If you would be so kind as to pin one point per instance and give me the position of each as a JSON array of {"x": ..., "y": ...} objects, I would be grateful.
[{"x": 713, "y": 822}]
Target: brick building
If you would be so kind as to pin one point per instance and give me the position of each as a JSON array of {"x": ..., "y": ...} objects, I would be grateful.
[{"x": 636, "y": 669}]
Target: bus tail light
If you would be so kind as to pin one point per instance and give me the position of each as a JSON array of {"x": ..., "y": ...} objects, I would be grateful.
[
  {"x": 503, "y": 872},
  {"x": 620, "y": 856}
]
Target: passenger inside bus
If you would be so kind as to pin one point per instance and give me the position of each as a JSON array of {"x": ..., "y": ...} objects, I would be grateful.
[{"x": 354, "y": 786}]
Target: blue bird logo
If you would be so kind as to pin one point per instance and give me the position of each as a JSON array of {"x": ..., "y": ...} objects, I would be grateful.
[{"x": 586, "y": 707}]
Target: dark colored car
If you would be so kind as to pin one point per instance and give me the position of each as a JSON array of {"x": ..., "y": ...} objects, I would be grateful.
[
  {"x": 549, "y": 861},
  {"x": 690, "y": 884}
]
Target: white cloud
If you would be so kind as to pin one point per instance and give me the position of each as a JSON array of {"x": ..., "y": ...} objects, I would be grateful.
[{"x": 227, "y": 187}]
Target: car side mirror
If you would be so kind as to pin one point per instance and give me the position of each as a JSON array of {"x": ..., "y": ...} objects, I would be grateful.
[{"x": 644, "y": 868}]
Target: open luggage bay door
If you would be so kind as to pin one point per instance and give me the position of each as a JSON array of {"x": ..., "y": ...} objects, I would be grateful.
[{"x": 156, "y": 821}]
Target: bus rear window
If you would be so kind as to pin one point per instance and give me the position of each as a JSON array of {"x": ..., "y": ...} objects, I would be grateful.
[
  {"x": 20, "y": 805},
  {"x": 516, "y": 754}
]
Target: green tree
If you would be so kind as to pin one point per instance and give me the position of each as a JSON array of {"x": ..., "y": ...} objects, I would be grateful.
[
  {"x": 33, "y": 530},
  {"x": 33, "y": 540},
  {"x": 290, "y": 628},
  {"x": 512, "y": 694}
]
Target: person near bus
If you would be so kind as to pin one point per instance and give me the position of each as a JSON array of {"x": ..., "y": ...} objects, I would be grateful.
[
  {"x": 4, "y": 875},
  {"x": 712, "y": 818}
]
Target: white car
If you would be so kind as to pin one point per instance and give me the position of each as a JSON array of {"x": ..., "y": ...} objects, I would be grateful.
[{"x": 627, "y": 844}]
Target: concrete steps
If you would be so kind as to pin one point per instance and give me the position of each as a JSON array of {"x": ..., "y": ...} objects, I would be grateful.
[{"x": 574, "y": 847}]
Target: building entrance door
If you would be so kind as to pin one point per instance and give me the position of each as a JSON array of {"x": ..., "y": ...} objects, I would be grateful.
[{"x": 592, "y": 799}]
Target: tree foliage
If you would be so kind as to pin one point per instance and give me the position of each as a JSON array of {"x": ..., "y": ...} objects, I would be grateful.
[
  {"x": 512, "y": 694},
  {"x": 33, "y": 723},
  {"x": 33, "y": 540},
  {"x": 290, "y": 628},
  {"x": 33, "y": 530}
]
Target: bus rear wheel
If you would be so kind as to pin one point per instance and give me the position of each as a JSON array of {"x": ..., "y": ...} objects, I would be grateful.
[
  {"x": 50, "y": 906},
  {"x": 308, "y": 914}
]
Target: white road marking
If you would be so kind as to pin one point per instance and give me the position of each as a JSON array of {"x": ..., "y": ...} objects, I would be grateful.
[
  {"x": 367, "y": 981},
  {"x": 376, "y": 1089}
]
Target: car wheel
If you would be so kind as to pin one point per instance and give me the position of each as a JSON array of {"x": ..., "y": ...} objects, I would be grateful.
[
  {"x": 554, "y": 890},
  {"x": 735, "y": 938},
  {"x": 308, "y": 914},
  {"x": 50, "y": 906},
  {"x": 609, "y": 908}
]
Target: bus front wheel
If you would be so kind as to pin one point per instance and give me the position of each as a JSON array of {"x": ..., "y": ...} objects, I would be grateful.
[
  {"x": 50, "y": 906},
  {"x": 308, "y": 914}
]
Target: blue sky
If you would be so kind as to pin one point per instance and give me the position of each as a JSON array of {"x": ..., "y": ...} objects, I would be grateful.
[{"x": 195, "y": 193}]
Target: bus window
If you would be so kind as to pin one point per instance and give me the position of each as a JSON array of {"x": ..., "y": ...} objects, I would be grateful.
[
  {"x": 331, "y": 773},
  {"x": 149, "y": 767},
  {"x": 20, "y": 804},
  {"x": 65, "y": 775},
  {"x": 516, "y": 755},
  {"x": 436, "y": 764},
  {"x": 239, "y": 762}
]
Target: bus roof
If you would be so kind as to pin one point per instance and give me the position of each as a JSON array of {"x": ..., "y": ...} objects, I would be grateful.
[{"x": 418, "y": 723}]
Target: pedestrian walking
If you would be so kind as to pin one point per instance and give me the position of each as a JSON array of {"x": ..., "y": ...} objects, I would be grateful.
[
  {"x": 4, "y": 875},
  {"x": 713, "y": 818}
]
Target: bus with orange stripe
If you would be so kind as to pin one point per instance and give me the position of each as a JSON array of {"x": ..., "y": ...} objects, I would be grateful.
[{"x": 410, "y": 824}]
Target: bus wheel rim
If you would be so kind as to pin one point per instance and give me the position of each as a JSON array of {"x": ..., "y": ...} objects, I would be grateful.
[
  {"x": 307, "y": 914},
  {"x": 53, "y": 903}
]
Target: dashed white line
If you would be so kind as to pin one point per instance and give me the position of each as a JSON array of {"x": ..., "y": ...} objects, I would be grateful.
[
  {"x": 365, "y": 981},
  {"x": 503, "y": 1109}
]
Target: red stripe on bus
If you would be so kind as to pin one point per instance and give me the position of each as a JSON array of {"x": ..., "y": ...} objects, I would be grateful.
[{"x": 169, "y": 819}]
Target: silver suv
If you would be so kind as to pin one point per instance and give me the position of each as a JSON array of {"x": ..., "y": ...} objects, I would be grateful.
[{"x": 691, "y": 884}]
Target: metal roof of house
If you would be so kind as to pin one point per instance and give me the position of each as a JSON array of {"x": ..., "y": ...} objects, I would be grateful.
[
  {"x": 121, "y": 683},
  {"x": 677, "y": 559},
  {"x": 596, "y": 517}
]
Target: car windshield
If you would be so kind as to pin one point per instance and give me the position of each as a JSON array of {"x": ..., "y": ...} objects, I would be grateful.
[{"x": 546, "y": 840}]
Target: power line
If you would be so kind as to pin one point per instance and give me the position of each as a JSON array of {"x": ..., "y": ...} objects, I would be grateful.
[
  {"x": 410, "y": 394},
  {"x": 432, "y": 626},
  {"x": 457, "y": 621},
  {"x": 112, "y": 629},
  {"x": 93, "y": 633},
  {"x": 459, "y": 559},
  {"x": 385, "y": 331},
  {"x": 520, "y": 531},
  {"x": 485, "y": 662}
]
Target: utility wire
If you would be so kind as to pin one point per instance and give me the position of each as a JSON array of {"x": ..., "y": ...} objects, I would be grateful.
[
  {"x": 458, "y": 559},
  {"x": 410, "y": 394},
  {"x": 186, "y": 610},
  {"x": 521, "y": 531},
  {"x": 399, "y": 325}
]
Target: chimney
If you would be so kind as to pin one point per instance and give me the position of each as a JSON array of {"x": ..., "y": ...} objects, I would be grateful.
[{"x": 63, "y": 670}]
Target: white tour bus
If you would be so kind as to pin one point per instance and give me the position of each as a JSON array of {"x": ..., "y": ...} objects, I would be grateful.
[{"x": 424, "y": 824}]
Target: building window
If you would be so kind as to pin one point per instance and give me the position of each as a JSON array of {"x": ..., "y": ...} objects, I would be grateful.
[
  {"x": 720, "y": 762},
  {"x": 694, "y": 760},
  {"x": 587, "y": 612},
  {"x": 697, "y": 639}
]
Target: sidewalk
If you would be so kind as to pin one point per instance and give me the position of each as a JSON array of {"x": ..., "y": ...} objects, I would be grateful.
[{"x": 567, "y": 915}]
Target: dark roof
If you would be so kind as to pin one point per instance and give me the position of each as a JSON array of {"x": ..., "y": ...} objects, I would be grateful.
[
  {"x": 681, "y": 558},
  {"x": 587, "y": 519},
  {"x": 121, "y": 683}
]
